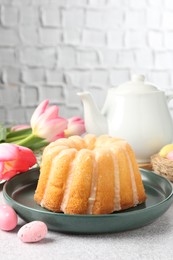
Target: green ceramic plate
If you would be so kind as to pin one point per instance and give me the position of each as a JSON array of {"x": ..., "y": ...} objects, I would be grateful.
[{"x": 19, "y": 192}]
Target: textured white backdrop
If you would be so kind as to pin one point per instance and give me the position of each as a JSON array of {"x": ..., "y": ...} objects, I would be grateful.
[{"x": 55, "y": 48}]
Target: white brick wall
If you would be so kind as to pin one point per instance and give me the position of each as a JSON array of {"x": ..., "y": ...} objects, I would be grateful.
[
  {"x": 50, "y": 16},
  {"x": 53, "y": 49}
]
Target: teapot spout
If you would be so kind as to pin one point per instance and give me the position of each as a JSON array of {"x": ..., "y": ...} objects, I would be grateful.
[{"x": 95, "y": 122}]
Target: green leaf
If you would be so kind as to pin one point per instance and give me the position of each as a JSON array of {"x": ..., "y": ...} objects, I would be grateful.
[
  {"x": 16, "y": 138},
  {"x": 37, "y": 146},
  {"x": 30, "y": 140},
  {"x": 22, "y": 132},
  {"x": 3, "y": 133}
]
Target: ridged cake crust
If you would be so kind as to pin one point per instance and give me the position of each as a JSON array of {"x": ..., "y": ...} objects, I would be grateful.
[{"x": 89, "y": 176}]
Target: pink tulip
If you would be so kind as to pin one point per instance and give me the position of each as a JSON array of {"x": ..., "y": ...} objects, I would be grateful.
[
  {"x": 75, "y": 126},
  {"x": 46, "y": 123},
  {"x": 20, "y": 127},
  {"x": 14, "y": 159}
]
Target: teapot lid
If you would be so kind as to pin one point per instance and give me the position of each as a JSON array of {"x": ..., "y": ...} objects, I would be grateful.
[{"x": 136, "y": 85}]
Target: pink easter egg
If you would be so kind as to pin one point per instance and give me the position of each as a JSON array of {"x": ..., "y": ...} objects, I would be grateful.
[
  {"x": 32, "y": 232},
  {"x": 8, "y": 218},
  {"x": 170, "y": 156}
]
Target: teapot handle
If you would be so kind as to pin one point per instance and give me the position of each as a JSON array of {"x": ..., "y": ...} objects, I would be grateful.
[{"x": 169, "y": 97}]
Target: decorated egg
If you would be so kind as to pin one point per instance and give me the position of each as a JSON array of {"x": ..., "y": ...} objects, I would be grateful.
[
  {"x": 170, "y": 156},
  {"x": 32, "y": 232},
  {"x": 8, "y": 218},
  {"x": 165, "y": 150}
]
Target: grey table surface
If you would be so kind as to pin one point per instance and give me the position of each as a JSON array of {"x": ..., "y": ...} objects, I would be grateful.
[{"x": 154, "y": 241}]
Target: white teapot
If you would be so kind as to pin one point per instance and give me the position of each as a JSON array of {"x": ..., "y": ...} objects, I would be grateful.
[{"x": 136, "y": 111}]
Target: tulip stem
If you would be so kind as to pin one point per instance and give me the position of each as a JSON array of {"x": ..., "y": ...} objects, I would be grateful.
[
  {"x": 18, "y": 133},
  {"x": 32, "y": 141},
  {"x": 15, "y": 138}
]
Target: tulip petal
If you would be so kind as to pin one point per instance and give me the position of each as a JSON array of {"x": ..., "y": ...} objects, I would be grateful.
[
  {"x": 20, "y": 159},
  {"x": 7, "y": 175},
  {"x": 20, "y": 166},
  {"x": 52, "y": 112},
  {"x": 55, "y": 126},
  {"x": 1, "y": 166},
  {"x": 76, "y": 126},
  {"x": 49, "y": 114},
  {"x": 74, "y": 119},
  {"x": 19, "y": 127},
  {"x": 8, "y": 152},
  {"x": 56, "y": 137},
  {"x": 46, "y": 123},
  {"x": 39, "y": 111},
  {"x": 27, "y": 156},
  {"x": 74, "y": 130}
]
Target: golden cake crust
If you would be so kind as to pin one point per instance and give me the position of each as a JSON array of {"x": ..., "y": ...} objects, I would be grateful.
[{"x": 89, "y": 175}]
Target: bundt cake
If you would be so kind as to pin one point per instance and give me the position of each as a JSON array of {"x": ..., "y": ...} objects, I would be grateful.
[{"x": 89, "y": 175}]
